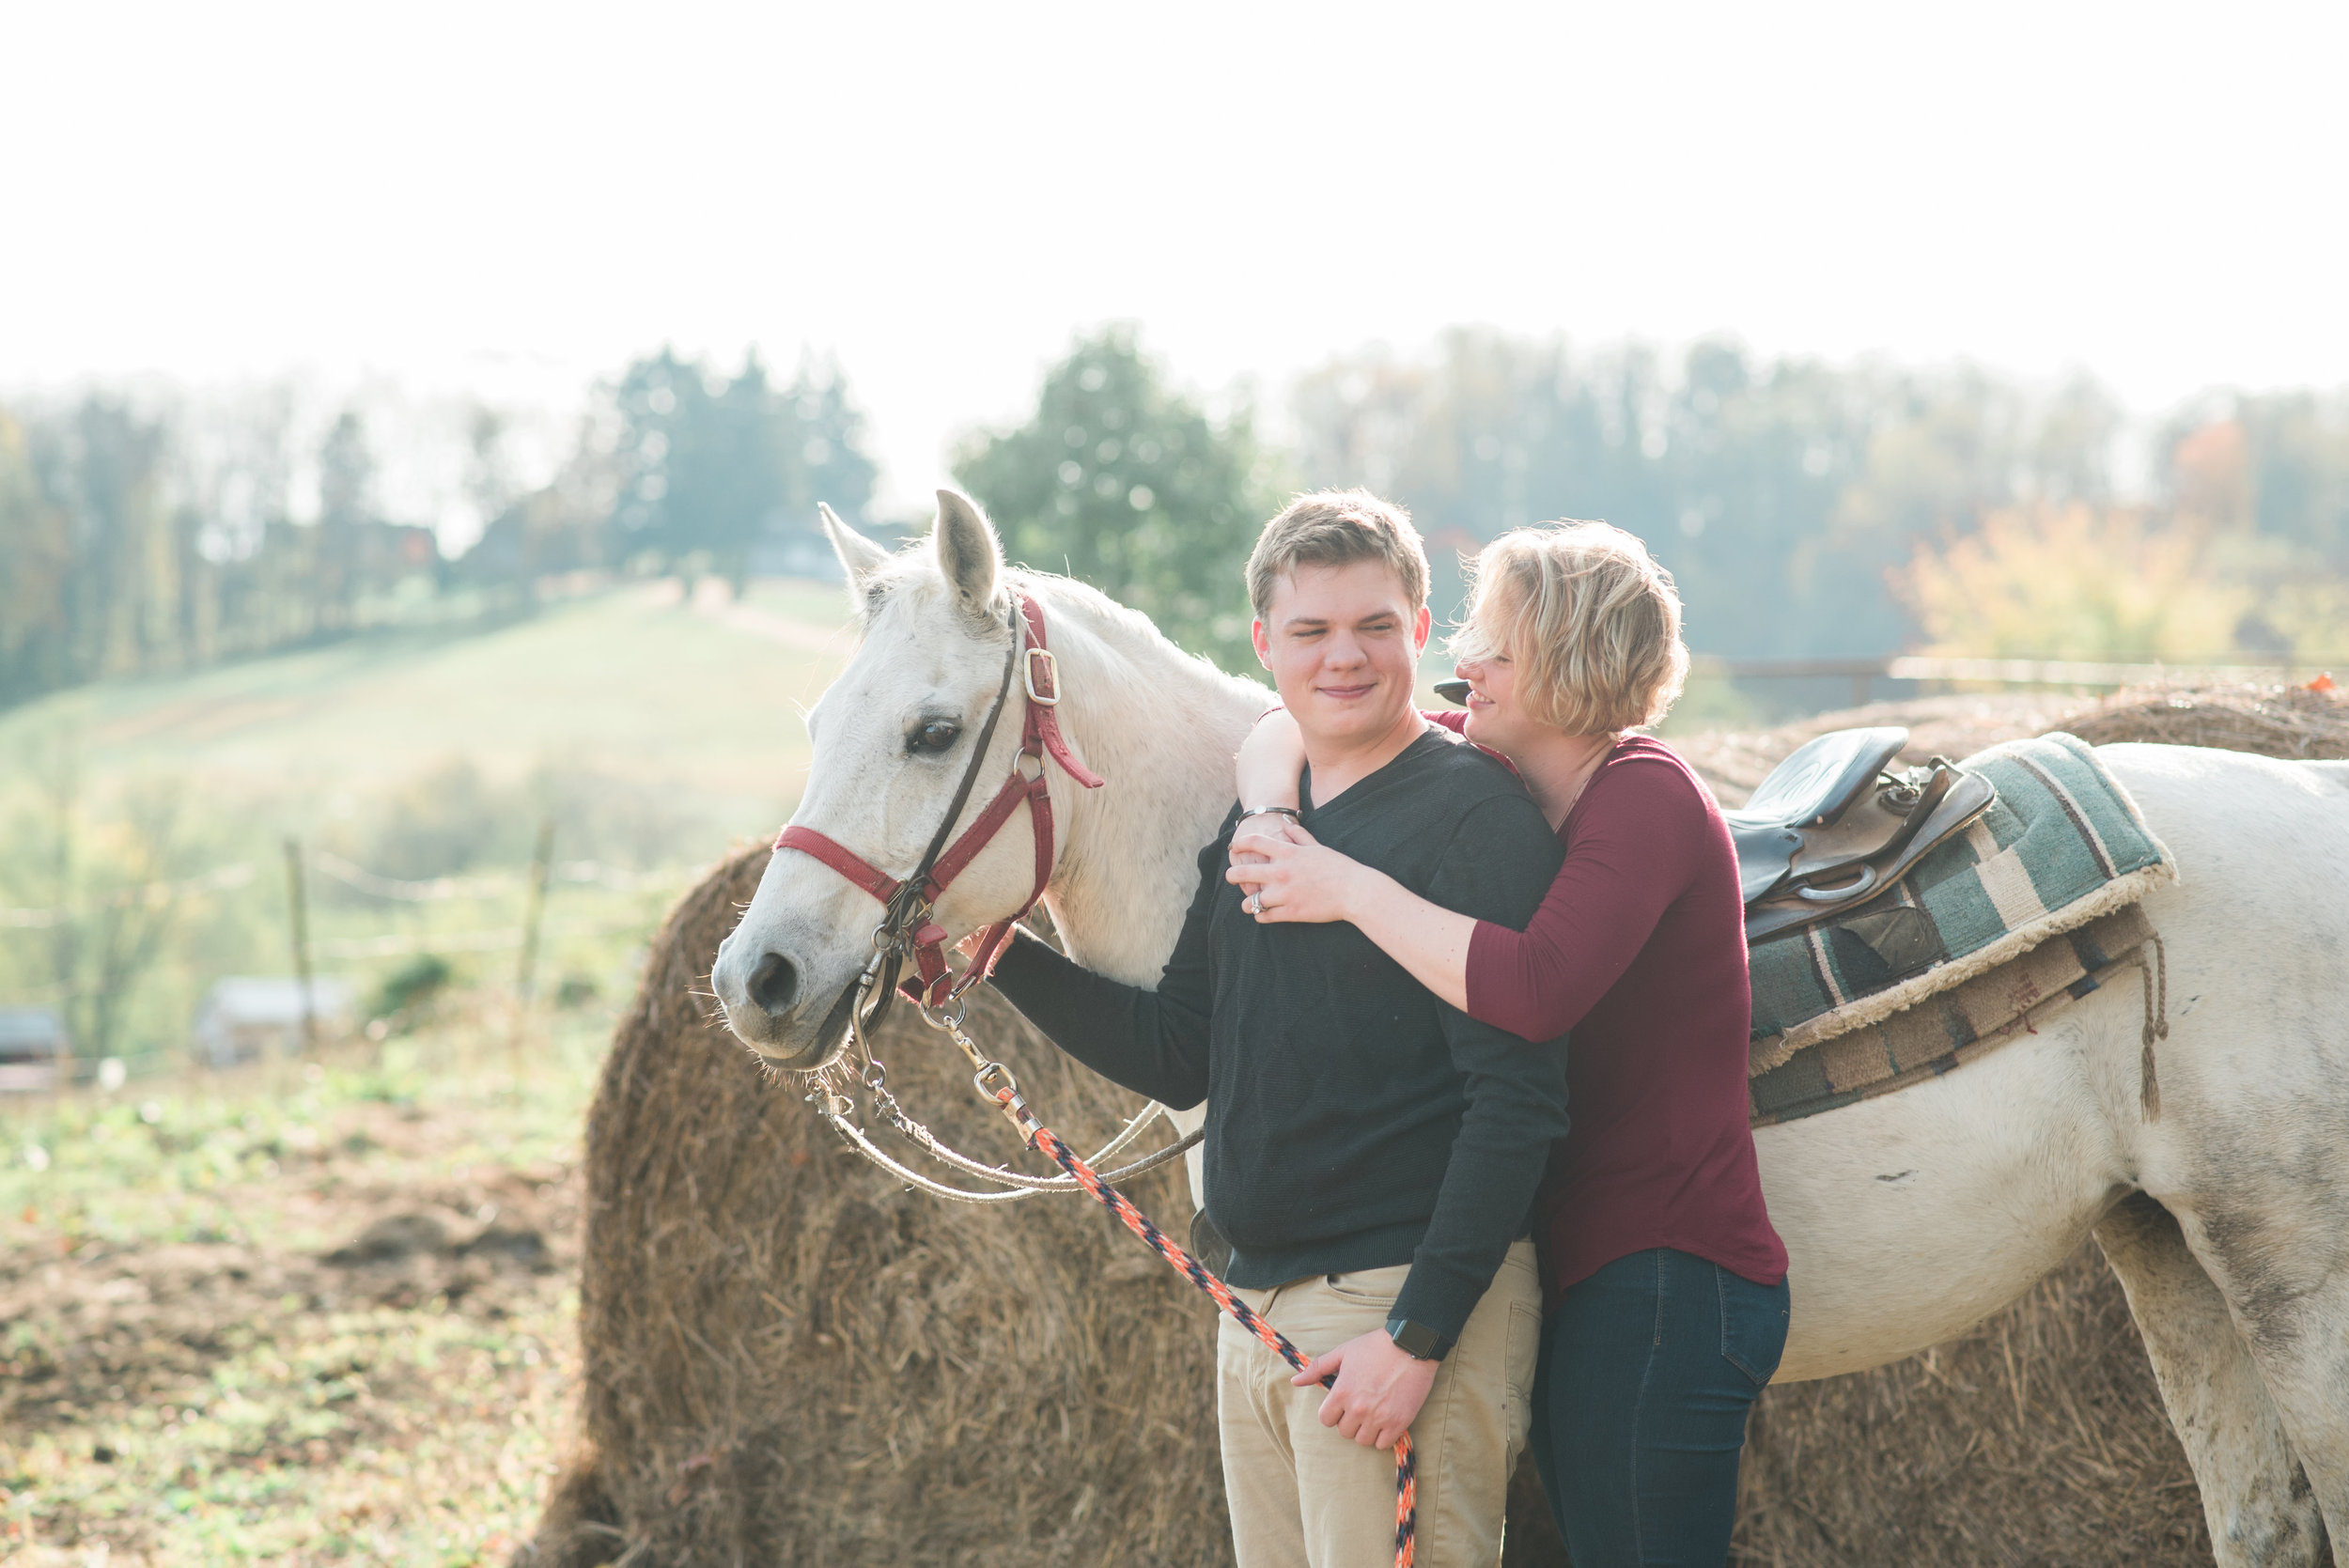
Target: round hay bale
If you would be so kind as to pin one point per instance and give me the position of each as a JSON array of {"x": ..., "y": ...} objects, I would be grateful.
[
  {"x": 2037, "y": 1439},
  {"x": 2275, "y": 721},
  {"x": 789, "y": 1361}
]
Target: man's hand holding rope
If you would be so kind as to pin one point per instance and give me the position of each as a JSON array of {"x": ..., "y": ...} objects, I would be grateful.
[{"x": 1378, "y": 1391}]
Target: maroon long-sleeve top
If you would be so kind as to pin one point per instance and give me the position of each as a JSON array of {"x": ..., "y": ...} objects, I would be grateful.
[{"x": 1639, "y": 950}]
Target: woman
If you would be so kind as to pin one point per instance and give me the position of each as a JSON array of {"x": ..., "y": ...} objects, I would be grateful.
[{"x": 1666, "y": 1283}]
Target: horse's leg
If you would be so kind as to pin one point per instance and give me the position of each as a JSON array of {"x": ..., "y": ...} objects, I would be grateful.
[
  {"x": 2257, "y": 1502},
  {"x": 2246, "y": 1147},
  {"x": 2282, "y": 1261}
]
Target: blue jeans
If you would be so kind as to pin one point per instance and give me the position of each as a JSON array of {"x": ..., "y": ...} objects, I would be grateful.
[{"x": 1647, "y": 1372}]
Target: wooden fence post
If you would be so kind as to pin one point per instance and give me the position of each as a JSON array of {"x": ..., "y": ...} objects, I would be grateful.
[
  {"x": 297, "y": 912},
  {"x": 534, "y": 913}
]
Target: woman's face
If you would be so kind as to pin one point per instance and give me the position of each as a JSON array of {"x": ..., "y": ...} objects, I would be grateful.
[{"x": 1494, "y": 718}]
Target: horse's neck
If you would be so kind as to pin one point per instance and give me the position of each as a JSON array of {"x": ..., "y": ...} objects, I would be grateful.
[{"x": 1161, "y": 727}]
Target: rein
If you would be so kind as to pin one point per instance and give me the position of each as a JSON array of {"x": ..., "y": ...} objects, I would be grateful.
[{"x": 909, "y": 930}]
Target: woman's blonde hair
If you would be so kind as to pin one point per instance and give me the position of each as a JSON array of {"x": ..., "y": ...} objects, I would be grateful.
[{"x": 1589, "y": 620}]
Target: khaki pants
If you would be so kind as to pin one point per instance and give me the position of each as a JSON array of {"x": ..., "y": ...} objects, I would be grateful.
[{"x": 1302, "y": 1497}]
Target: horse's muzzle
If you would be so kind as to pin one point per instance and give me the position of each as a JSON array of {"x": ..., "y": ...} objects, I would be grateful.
[{"x": 820, "y": 1051}]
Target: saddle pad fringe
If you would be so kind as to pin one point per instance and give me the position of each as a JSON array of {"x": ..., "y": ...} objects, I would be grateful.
[{"x": 1957, "y": 1025}]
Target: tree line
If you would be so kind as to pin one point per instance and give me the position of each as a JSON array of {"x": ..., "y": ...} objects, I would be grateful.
[
  {"x": 1806, "y": 508},
  {"x": 136, "y": 540}
]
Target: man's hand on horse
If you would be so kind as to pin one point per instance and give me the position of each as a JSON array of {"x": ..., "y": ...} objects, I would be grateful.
[{"x": 1380, "y": 1389}]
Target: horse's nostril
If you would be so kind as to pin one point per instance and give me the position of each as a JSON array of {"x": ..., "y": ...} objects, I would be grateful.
[{"x": 774, "y": 984}]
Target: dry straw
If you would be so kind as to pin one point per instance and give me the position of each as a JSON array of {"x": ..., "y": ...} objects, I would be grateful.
[{"x": 788, "y": 1363}]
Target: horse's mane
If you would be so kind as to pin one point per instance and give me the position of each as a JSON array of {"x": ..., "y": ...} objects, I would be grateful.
[{"x": 914, "y": 569}]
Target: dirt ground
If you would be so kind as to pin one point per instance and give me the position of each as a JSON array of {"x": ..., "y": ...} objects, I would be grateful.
[{"x": 297, "y": 1314}]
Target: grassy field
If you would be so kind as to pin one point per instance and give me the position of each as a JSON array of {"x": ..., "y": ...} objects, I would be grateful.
[
  {"x": 649, "y": 729},
  {"x": 322, "y": 1311},
  {"x": 701, "y": 697},
  {"x": 299, "y": 1314}
]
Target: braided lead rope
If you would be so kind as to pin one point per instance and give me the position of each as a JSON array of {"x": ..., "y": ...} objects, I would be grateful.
[
  {"x": 837, "y": 1110},
  {"x": 856, "y": 1140},
  {"x": 875, "y": 1078},
  {"x": 922, "y": 1139},
  {"x": 948, "y": 1019},
  {"x": 995, "y": 1082},
  {"x": 1043, "y": 1138}
]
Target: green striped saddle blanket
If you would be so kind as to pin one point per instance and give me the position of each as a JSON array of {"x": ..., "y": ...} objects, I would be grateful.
[{"x": 1956, "y": 957}]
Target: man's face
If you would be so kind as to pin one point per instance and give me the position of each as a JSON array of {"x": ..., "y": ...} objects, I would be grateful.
[{"x": 1343, "y": 644}]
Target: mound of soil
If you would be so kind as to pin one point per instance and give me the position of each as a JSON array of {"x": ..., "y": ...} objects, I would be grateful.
[{"x": 279, "y": 1332}]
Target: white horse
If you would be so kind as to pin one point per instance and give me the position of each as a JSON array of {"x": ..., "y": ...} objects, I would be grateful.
[{"x": 1910, "y": 1218}]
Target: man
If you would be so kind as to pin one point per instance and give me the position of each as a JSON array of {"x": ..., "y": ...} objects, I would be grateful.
[{"x": 1371, "y": 1153}]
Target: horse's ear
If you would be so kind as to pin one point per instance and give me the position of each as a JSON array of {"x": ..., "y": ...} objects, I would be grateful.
[
  {"x": 860, "y": 557},
  {"x": 967, "y": 550}
]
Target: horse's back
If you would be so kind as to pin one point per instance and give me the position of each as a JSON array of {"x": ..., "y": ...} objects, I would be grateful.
[
  {"x": 2270, "y": 836},
  {"x": 2258, "y": 920}
]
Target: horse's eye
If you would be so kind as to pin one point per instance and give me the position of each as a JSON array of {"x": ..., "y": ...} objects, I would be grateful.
[{"x": 934, "y": 737}]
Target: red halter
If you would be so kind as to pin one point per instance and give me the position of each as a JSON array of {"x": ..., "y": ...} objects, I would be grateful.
[{"x": 1039, "y": 735}]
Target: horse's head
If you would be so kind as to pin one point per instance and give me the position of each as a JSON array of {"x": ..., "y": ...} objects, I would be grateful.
[{"x": 893, "y": 739}]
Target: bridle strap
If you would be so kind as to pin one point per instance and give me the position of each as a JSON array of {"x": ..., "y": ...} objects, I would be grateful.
[
  {"x": 906, "y": 927},
  {"x": 921, "y": 877},
  {"x": 1043, "y": 724},
  {"x": 809, "y": 841}
]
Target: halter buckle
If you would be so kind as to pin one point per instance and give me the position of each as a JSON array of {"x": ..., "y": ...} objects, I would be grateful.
[{"x": 1052, "y": 678}]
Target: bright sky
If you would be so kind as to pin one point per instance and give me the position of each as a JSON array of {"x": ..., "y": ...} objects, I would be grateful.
[{"x": 512, "y": 200}]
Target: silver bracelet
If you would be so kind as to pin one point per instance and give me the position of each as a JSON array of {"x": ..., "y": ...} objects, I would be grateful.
[{"x": 1289, "y": 812}]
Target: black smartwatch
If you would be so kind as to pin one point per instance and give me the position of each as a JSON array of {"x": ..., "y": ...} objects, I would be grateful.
[{"x": 1417, "y": 1341}]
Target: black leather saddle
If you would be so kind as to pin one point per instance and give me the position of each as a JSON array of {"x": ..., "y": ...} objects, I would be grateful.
[
  {"x": 1834, "y": 826},
  {"x": 1811, "y": 788}
]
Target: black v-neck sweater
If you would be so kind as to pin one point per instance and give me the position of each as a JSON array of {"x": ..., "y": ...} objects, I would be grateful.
[{"x": 1354, "y": 1120}]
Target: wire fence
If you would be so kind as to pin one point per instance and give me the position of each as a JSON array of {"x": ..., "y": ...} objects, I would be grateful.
[
  {"x": 1929, "y": 670},
  {"x": 37, "y": 1053}
]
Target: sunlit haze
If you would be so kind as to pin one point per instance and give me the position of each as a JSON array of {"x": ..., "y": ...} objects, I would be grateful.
[{"x": 512, "y": 200}]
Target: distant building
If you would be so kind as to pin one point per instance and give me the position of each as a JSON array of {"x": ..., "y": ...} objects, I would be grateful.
[
  {"x": 252, "y": 1017},
  {"x": 36, "y": 1053}
]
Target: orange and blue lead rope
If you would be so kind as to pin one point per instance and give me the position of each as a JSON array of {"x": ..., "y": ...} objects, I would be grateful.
[{"x": 1405, "y": 1469}]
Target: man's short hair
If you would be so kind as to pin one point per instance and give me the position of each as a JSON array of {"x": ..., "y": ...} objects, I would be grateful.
[
  {"x": 1590, "y": 619},
  {"x": 1336, "y": 528}
]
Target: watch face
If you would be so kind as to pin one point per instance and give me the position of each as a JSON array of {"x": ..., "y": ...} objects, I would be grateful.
[{"x": 1415, "y": 1340}]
